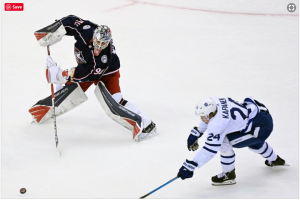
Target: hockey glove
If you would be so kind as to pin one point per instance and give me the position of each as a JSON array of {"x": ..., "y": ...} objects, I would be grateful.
[
  {"x": 187, "y": 169},
  {"x": 54, "y": 74},
  {"x": 192, "y": 141}
]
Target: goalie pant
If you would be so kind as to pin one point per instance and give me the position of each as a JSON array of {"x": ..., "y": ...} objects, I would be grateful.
[{"x": 73, "y": 95}]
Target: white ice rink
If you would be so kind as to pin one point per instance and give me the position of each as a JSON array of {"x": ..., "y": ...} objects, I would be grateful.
[{"x": 173, "y": 53}]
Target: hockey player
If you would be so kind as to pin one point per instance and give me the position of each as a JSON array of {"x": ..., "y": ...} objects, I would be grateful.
[
  {"x": 229, "y": 124},
  {"x": 97, "y": 61}
]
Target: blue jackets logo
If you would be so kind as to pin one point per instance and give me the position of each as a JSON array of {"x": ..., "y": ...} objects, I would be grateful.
[
  {"x": 104, "y": 59},
  {"x": 86, "y": 27}
]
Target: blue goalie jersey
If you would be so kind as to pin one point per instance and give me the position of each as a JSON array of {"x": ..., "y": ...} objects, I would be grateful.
[{"x": 90, "y": 67}]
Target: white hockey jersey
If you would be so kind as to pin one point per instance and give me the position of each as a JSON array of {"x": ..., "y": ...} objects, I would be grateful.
[{"x": 231, "y": 117}]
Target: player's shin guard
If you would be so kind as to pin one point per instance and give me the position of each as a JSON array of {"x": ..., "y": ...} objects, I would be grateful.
[
  {"x": 227, "y": 160},
  {"x": 66, "y": 99},
  {"x": 266, "y": 151}
]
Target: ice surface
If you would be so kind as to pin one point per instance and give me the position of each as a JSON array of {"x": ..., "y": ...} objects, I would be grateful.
[{"x": 173, "y": 53}]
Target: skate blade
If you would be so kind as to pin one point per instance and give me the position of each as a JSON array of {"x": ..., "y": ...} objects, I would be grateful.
[
  {"x": 285, "y": 165},
  {"x": 143, "y": 136},
  {"x": 229, "y": 182}
]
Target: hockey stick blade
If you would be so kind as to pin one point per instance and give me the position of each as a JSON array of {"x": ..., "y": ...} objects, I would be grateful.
[{"x": 59, "y": 150}]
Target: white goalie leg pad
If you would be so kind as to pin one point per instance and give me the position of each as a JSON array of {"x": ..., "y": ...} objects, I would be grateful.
[
  {"x": 66, "y": 99},
  {"x": 146, "y": 121},
  {"x": 133, "y": 108},
  {"x": 117, "y": 112},
  {"x": 107, "y": 110}
]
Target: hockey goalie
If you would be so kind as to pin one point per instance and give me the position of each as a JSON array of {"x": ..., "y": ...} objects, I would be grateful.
[{"x": 98, "y": 64}]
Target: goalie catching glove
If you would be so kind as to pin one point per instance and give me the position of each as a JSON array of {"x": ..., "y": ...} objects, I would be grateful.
[
  {"x": 56, "y": 75},
  {"x": 192, "y": 141}
]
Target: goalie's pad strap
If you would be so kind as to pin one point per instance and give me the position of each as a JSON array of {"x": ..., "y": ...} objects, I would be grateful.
[
  {"x": 66, "y": 99},
  {"x": 117, "y": 112},
  {"x": 123, "y": 102}
]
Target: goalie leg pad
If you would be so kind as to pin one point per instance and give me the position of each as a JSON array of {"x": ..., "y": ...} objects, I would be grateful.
[
  {"x": 66, "y": 99},
  {"x": 117, "y": 112}
]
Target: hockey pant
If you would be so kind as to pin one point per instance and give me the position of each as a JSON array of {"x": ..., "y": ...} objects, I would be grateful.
[{"x": 255, "y": 140}]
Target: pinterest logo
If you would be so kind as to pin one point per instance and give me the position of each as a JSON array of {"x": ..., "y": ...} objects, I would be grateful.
[
  {"x": 14, "y": 7},
  {"x": 8, "y": 6}
]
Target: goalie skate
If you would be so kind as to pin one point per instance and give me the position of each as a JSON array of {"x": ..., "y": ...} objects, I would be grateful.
[{"x": 147, "y": 132}]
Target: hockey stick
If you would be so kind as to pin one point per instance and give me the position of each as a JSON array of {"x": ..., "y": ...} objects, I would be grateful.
[
  {"x": 54, "y": 116},
  {"x": 159, "y": 188}
]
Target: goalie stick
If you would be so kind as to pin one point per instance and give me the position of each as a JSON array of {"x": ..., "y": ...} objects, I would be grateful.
[{"x": 53, "y": 107}]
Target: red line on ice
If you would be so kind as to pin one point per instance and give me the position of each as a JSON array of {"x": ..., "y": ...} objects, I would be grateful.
[{"x": 133, "y": 2}]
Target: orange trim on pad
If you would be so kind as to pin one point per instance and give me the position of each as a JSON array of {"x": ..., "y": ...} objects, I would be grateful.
[
  {"x": 136, "y": 128},
  {"x": 38, "y": 112}
]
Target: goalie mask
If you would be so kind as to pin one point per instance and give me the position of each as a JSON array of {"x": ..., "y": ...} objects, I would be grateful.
[
  {"x": 203, "y": 109},
  {"x": 101, "y": 38}
]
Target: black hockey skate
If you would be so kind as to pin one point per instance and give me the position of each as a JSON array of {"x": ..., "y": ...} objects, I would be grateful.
[
  {"x": 147, "y": 132},
  {"x": 149, "y": 128},
  {"x": 278, "y": 162},
  {"x": 227, "y": 178}
]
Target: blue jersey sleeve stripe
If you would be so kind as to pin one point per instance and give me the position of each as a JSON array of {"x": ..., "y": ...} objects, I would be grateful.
[
  {"x": 207, "y": 149},
  {"x": 228, "y": 156},
  {"x": 227, "y": 163},
  {"x": 214, "y": 145}
]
